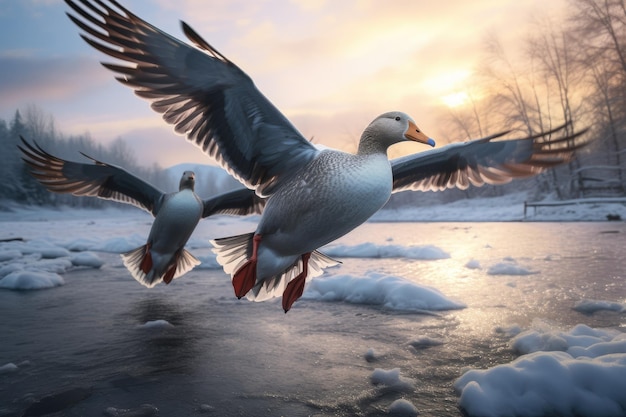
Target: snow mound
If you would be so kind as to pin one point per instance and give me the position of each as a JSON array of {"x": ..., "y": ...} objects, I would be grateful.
[
  {"x": 402, "y": 408},
  {"x": 392, "y": 380},
  {"x": 592, "y": 306},
  {"x": 390, "y": 292},
  {"x": 89, "y": 259},
  {"x": 157, "y": 325},
  {"x": 425, "y": 343},
  {"x": 578, "y": 372},
  {"x": 372, "y": 250},
  {"x": 8, "y": 368},
  {"x": 9, "y": 254},
  {"x": 509, "y": 267},
  {"x": 118, "y": 244},
  {"x": 371, "y": 355},
  {"x": 145, "y": 410},
  {"x": 31, "y": 280}
]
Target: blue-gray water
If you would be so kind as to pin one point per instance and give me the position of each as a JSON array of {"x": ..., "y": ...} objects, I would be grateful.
[{"x": 236, "y": 358}]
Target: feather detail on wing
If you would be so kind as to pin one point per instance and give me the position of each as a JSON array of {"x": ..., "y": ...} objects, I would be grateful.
[
  {"x": 205, "y": 96},
  {"x": 98, "y": 179},
  {"x": 238, "y": 203},
  {"x": 484, "y": 161}
]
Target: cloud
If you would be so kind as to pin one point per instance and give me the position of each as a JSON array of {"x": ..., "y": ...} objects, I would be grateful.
[
  {"x": 331, "y": 67},
  {"x": 31, "y": 79}
]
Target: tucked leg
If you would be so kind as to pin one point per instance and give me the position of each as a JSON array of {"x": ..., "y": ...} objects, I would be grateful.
[
  {"x": 146, "y": 262},
  {"x": 169, "y": 274},
  {"x": 295, "y": 288},
  {"x": 171, "y": 270},
  {"x": 245, "y": 278}
]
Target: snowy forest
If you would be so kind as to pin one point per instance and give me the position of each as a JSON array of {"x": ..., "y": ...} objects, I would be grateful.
[
  {"x": 34, "y": 125},
  {"x": 570, "y": 71}
]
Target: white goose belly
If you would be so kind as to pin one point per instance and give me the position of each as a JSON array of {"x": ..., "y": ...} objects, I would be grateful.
[
  {"x": 326, "y": 203},
  {"x": 175, "y": 222}
]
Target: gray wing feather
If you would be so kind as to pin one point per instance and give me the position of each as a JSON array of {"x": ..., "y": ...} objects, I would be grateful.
[
  {"x": 484, "y": 161},
  {"x": 239, "y": 202},
  {"x": 200, "y": 92},
  {"x": 98, "y": 179}
]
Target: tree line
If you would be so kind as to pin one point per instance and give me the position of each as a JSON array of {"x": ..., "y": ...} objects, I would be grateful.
[
  {"x": 32, "y": 124},
  {"x": 569, "y": 70}
]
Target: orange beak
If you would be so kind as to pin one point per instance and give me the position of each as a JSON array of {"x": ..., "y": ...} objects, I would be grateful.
[{"x": 415, "y": 134}]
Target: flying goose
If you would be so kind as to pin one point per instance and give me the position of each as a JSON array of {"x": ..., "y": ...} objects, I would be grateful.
[
  {"x": 163, "y": 257},
  {"x": 314, "y": 196}
]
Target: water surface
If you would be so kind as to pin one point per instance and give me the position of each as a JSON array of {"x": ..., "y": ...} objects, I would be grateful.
[{"x": 237, "y": 358}]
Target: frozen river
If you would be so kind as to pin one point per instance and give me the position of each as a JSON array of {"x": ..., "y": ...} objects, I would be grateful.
[{"x": 413, "y": 307}]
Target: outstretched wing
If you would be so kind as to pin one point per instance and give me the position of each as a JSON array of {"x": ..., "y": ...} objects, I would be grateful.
[
  {"x": 483, "y": 161},
  {"x": 98, "y": 179},
  {"x": 200, "y": 92},
  {"x": 239, "y": 202}
]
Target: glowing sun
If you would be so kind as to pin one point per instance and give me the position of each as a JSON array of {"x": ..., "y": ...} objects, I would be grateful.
[{"x": 455, "y": 99}]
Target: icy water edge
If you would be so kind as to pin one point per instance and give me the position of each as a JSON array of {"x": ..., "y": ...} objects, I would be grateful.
[{"x": 215, "y": 354}]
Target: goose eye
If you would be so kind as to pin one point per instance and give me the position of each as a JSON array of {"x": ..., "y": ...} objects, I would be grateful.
[{"x": 397, "y": 118}]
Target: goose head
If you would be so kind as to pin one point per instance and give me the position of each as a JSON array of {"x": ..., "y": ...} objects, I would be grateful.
[
  {"x": 388, "y": 129},
  {"x": 187, "y": 181}
]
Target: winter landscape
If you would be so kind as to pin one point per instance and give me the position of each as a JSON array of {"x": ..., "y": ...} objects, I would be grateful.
[
  {"x": 450, "y": 316},
  {"x": 464, "y": 302}
]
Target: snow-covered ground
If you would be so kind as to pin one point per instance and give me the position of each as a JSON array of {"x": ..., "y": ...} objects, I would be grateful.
[{"x": 522, "y": 319}]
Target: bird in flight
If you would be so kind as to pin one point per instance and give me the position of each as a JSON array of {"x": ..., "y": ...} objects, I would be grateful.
[
  {"x": 313, "y": 196},
  {"x": 176, "y": 214}
]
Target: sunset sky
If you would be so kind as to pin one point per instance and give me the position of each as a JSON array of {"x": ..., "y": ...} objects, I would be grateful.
[{"x": 330, "y": 66}]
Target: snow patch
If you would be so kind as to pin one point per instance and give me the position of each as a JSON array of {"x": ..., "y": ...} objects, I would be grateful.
[
  {"x": 89, "y": 259},
  {"x": 390, "y": 292},
  {"x": 425, "y": 343},
  {"x": 9, "y": 254},
  {"x": 402, "y": 408},
  {"x": 372, "y": 250},
  {"x": 509, "y": 267},
  {"x": 577, "y": 372},
  {"x": 371, "y": 355},
  {"x": 157, "y": 325},
  {"x": 592, "y": 306},
  {"x": 145, "y": 410},
  {"x": 8, "y": 368},
  {"x": 31, "y": 280},
  {"x": 392, "y": 380}
]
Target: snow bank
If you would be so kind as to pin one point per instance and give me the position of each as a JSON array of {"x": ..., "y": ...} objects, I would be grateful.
[
  {"x": 371, "y": 250},
  {"x": 157, "y": 325},
  {"x": 392, "y": 380},
  {"x": 592, "y": 306},
  {"x": 509, "y": 266},
  {"x": 89, "y": 259},
  {"x": 37, "y": 264},
  {"x": 8, "y": 368},
  {"x": 31, "y": 280},
  {"x": 390, "y": 292},
  {"x": 402, "y": 408},
  {"x": 578, "y": 372},
  {"x": 425, "y": 343},
  {"x": 144, "y": 410}
]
